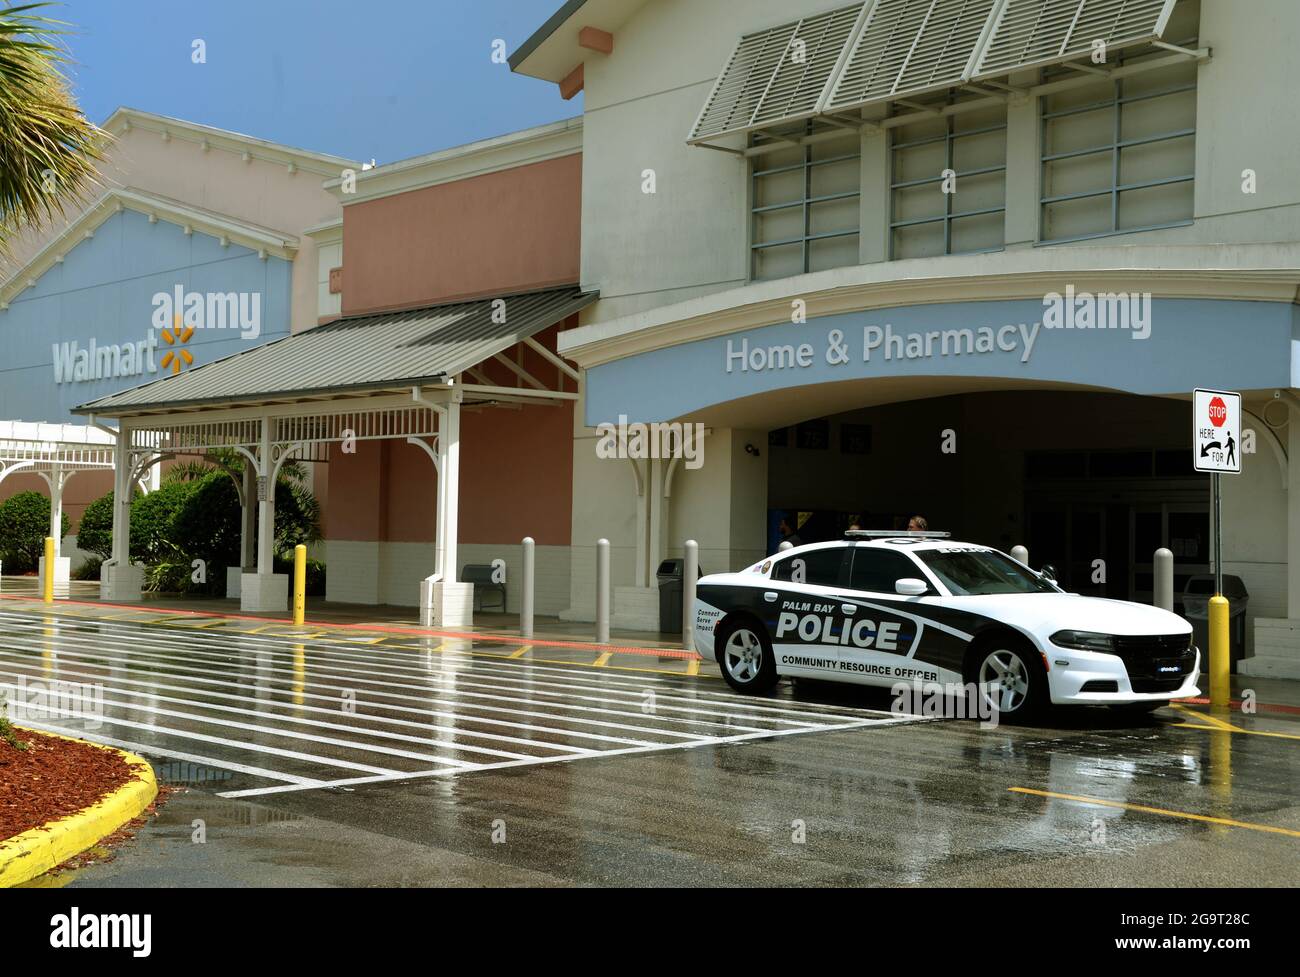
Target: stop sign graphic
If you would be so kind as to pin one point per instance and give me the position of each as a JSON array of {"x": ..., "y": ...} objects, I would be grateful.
[{"x": 1218, "y": 412}]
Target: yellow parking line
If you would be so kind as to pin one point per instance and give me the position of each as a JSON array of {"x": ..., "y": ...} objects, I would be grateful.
[
  {"x": 603, "y": 659},
  {"x": 1233, "y": 729},
  {"x": 1157, "y": 810},
  {"x": 1207, "y": 718},
  {"x": 523, "y": 650},
  {"x": 693, "y": 667},
  {"x": 1213, "y": 724}
]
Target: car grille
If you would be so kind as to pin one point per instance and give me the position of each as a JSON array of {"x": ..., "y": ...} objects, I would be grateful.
[{"x": 1156, "y": 663}]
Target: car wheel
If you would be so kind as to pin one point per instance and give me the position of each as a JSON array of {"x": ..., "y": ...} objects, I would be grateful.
[
  {"x": 1011, "y": 681},
  {"x": 747, "y": 661}
]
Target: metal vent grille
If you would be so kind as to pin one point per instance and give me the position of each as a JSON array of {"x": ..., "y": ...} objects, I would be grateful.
[
  {"x": 778, "y": 75},
  {"x": 1031, "y": 33},
  {"x": 907, "y": 47}
]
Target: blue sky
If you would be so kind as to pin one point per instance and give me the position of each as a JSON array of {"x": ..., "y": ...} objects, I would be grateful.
[{"x": 383, "y": 79}]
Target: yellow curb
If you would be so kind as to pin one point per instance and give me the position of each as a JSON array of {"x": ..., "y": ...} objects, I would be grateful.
[{"x": 32, "y": 853}]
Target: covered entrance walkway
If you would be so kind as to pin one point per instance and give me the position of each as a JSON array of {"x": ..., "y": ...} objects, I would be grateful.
[{"x": 396, "y": 376}]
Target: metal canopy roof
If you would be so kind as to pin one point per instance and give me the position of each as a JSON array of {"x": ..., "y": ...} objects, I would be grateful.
[
  {"x": 386, "y": 350},
  {"x": 879, "y": 51}
]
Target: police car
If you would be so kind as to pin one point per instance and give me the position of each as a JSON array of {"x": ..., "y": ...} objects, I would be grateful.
[{"x": 879, "y": 609}]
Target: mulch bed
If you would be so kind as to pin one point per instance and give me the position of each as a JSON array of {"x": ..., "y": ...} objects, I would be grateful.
[{"x": 53, "y": 778}]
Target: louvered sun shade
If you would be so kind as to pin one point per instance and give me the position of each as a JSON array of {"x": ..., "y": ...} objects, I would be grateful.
[
  {"x": 777, "y": 75},
  {"x": 885, "y": 50},
  {"x": 908, "y": 47},
  {"x": 1031, "y": 33}
]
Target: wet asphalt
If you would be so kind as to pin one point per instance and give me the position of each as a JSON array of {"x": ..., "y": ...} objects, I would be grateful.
[{"x": 336, "y": 760}]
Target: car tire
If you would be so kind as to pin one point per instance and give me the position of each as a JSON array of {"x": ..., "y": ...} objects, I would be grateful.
[
  {"x": 1010, "y": 678},
  {"x": 746, "y": 659}
]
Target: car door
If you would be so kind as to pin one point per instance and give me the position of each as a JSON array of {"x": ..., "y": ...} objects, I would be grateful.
[
  {"x": 887, "y": 628},
  {"x": 802, "y": 614}
]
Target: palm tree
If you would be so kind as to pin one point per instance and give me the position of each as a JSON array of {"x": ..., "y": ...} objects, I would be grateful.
[{"x": 48, "y": 148}]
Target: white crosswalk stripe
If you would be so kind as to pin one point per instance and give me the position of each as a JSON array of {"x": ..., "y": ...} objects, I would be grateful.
[{"x": 279, "y": 713}]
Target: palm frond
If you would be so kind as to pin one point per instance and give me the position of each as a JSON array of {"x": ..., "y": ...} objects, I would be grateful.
[{"x": 48, "y": 148}]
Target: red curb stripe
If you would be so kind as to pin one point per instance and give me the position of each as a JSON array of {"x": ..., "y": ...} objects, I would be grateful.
[{"x": 383, "y": 629}]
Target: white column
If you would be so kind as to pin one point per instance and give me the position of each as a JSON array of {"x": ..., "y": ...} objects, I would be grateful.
[
  {"x": 642, "y": 519},
  {"x": 449, "y": 485},
  {"x": 122, "y": 498},
  {"x": 119, "y": 580},
  {"x": 56, "y": 509},
  {"x": 265, "y": 504},
  {"x": 658, "y": 520},
  {"x": 248, "y": 518},
  {"x": 440, "y": 527}
]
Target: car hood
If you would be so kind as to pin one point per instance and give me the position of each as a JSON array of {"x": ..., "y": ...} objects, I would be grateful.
[{"x": 1049, "y": 613}]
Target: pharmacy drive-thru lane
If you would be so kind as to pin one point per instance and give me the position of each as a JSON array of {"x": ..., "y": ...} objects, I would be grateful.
[{"x": 280, "y": 714}]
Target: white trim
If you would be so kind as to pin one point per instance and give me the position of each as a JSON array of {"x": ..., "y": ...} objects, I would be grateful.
[
  {"x": 1263, "y": 272},
  {"x": 248, "y": 147},
  {"x": 515, "y": 149}
]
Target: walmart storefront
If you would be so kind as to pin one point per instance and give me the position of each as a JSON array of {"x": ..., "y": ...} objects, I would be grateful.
[
  {"x": 1048, "y": 408},
  {"x": 135, "y": 289}
]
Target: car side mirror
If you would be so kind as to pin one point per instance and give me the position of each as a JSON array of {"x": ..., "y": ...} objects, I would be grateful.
[
  {"x": 1048, "y": 571},
  {"x": 911, "y": 587}
]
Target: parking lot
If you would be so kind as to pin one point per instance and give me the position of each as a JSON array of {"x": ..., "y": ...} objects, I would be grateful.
[{"x": 334, "y": 755}]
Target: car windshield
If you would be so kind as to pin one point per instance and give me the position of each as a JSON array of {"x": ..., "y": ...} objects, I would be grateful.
[{"x": 982, "y": 572}]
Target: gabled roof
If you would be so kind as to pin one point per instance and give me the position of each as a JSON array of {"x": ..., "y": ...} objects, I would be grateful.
[
  {"x": 253, "y": 236},
  {"x": 324, "y": 164},
  {"x": 371, "y": 352}
]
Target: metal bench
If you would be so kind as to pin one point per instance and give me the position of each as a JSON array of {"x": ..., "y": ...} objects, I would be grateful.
[{"x": 480, "y": 575}]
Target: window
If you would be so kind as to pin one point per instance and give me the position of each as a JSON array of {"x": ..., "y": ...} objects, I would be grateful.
[
  {"x": 929, "y": 215},
  {"x": 982, "y": 572},
  {"x": 820, "y": 567},
  {"x": 806, "y": 203},
  {"x": 1120, "y": 155},
  {"x": 878, "y": 570}
]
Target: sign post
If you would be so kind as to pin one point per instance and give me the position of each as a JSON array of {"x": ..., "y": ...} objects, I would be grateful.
[{"x": 1216, "y": 448}]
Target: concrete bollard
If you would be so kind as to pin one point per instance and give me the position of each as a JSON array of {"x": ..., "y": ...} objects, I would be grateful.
[
  {"x": 299, "y": 584},
  {"x": 690, "y": 574},
  {"x": 602, "y": 591},
  {"x": 1021, "y": 554},
  {"x": 1164, "y": 583},
  {"x": 48, "y": 584},
  {"x": 526, "y": 597},
  {"x": 785, "y": 545}
]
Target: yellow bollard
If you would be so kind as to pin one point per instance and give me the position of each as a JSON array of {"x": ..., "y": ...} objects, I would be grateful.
[
  {"x": 49, "y": 570},
  {"x": 1220, "y": 657},
  {"x": 299, "y": 583}
]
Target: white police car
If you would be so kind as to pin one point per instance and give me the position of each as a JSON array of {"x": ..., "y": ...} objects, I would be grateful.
[{"x": 879, "y": 609}]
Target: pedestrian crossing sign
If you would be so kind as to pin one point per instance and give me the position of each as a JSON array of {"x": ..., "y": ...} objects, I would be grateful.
[{"x": 1216, "y": 431}]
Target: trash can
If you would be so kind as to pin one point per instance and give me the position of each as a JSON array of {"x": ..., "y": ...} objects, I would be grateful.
[
  {"x": 670, "y": 574},
  {"x": 1196, "y": 608}
]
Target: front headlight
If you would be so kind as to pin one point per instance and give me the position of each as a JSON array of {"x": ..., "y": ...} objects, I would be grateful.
[{"x": 1085, "y": 641}]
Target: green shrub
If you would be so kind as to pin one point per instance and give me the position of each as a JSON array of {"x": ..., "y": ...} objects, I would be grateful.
[
  {"x": 315, "y": 574},
  {"x": 95, "y": 532},
  {"x": 206, "y": 527},
  {"x": 297, "y": 517},
  {"x": 152, "y": 522},
  {"x": 88, "y": 570},
  {"x": 24, "y": 524}
]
